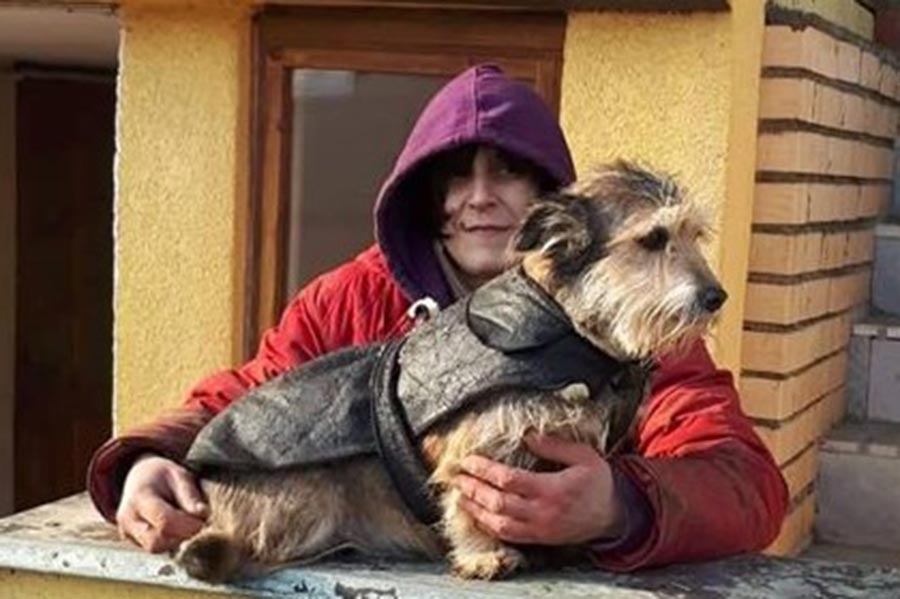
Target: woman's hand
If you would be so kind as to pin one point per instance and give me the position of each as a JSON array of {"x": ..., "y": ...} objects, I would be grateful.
[
  {"x": 161, "y": 504},
  {"x": 573, "y": 505}
]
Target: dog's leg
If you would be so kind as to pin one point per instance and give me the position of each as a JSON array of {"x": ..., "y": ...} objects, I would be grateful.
[
  {"x": 262, "y": 520},
  {"x": 212, "y": 555},
  {"x": 497, "y": 432},
  {"x": 474, "y": 553},
  {"x": 380, "y": 522},
  {"x": 216, "y": 554}
]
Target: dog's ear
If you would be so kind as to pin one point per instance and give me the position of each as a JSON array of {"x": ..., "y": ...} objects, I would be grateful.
[
  {"x": 565, "y": 229},
  {"x": 551, "y": 221}
]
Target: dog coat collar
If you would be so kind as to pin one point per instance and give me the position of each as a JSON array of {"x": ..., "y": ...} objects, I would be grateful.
[{"x": 508, "y": 334}]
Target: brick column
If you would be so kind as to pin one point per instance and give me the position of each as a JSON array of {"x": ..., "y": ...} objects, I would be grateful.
[{"x": 828, "y": 116}]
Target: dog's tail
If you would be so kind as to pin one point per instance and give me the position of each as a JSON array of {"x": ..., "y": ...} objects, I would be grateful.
[{"x": 212, "y": 556}]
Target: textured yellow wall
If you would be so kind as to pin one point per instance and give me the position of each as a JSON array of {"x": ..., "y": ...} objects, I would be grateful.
[
  {"x": 677, "y": 92},
  {"x": 181, "y": 185},
  {"x": 16, "y": 584}
]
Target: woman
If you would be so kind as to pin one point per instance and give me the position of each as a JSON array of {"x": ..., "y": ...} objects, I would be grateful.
[{"x": 699, "y": 483}]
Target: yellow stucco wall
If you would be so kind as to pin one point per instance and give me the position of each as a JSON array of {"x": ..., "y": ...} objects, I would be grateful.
[
  {"x": 181, "y": 188},
  {"x": 677, "y": 92},
  {"x": 17, "y": 584}
]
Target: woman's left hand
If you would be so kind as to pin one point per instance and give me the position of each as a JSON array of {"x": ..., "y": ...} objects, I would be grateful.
[{"x": 575, "y": 504}]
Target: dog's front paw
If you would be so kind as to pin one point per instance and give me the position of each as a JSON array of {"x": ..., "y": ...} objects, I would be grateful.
[{"x": 488, "y": 565}]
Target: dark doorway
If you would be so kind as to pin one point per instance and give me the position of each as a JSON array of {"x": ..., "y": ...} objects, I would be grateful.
[{"x": 64, "y": 246}]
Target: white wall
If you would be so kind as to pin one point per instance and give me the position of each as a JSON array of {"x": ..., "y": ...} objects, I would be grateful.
[{"x": 7, "y": 284}]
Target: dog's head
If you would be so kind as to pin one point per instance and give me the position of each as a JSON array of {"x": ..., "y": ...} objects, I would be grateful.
[{"x": 620, "y": 252}]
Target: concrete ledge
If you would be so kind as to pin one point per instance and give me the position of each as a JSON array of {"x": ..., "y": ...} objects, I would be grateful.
[{"x": 67, "y": 538}]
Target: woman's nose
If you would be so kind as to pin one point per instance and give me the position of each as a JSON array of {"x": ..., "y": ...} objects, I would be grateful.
[{"x": 483, "y": 192}]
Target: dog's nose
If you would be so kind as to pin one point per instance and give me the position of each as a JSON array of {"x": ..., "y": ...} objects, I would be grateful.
[{"x": 712, "y": 298}]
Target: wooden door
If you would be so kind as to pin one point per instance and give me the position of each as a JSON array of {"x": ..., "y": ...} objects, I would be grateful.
[{"x": 64, "y": 154}]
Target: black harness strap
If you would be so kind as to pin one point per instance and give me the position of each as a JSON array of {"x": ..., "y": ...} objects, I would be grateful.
[{"x": 394, "y": 439}]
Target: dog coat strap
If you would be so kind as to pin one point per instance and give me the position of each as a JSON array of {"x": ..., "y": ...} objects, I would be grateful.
[{"x": 394, "y": 440}]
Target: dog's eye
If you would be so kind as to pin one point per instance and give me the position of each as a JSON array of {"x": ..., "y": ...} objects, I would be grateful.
[
  {"x": 701, "y": 236},
  {"x": 655, "y": 240}
]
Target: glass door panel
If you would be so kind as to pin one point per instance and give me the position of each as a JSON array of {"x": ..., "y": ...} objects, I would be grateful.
[{"x": 347, "y": 128}]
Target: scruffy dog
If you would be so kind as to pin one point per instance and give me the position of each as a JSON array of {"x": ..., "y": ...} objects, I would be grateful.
[{"x": 611, "y": 275}]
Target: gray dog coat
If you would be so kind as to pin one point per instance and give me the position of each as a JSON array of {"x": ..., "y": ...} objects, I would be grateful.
[{"x": 382, "y": 398}]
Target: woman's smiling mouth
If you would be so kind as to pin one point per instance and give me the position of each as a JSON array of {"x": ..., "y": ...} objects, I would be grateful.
[{"x": 485, "y": 229}]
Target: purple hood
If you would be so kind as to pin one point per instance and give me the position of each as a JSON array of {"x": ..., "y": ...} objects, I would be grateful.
[{"x": 481, "y": 105}]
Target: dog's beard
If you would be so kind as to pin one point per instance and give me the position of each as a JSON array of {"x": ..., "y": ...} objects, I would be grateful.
[
  {"x": 672, "y": 323},
  {"x": 632, "y": 319}
]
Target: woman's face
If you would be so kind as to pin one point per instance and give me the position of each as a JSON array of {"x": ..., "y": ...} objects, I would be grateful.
[{"x": 483, "y": 208}]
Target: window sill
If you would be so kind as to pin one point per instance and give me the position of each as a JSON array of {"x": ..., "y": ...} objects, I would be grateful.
[{"x": 68, "y": 538}]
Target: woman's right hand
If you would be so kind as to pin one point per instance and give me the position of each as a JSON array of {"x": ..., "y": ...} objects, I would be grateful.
[{"x": 161, "y": 504}]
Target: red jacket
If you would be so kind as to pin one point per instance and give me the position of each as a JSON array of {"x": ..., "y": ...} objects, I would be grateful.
[{"x": 713, "y": 487}]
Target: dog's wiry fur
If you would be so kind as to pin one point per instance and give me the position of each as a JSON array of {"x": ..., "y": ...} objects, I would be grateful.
[
  {"x": 619, "y": 252},
  {"x": 259, "y": 521},
  {"x": 635, "y": 301}
]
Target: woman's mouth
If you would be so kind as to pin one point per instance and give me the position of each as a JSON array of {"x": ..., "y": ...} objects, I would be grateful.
[{"x": 485, "y": 229}]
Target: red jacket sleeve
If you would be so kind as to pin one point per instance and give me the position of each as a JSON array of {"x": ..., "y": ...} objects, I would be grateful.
[
  {"x": 298, "y": 337},
  {"x": 711, "y": 484}
]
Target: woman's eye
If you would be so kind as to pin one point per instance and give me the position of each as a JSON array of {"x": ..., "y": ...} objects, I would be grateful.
[
  {"x": 655, "y": 240},
  {"x": 503, "y": 170}
]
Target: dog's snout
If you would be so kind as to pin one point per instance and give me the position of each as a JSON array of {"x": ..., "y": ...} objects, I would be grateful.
[{"x": 712, "y": 298}]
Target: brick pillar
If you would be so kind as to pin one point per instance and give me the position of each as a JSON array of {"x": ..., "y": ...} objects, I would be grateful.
[{"x": 828, "y": 117}]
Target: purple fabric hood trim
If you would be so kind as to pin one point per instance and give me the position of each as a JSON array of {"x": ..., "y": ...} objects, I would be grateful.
[{"x": 481, "y": 105}]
